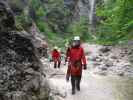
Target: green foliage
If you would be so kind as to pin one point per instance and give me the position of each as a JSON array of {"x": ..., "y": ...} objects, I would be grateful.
[
  {"x": 23, "y": 20},
  {"x": 117, "y": 23},
  {"x": 80, "y": 28},
  {"x": 54, "y": 20},
  {"x": 35, "y": 4},
  {"x": 40, "y": 12},
  {"x": 57, "y": 16},
  {"x": 51, "y": 17}
]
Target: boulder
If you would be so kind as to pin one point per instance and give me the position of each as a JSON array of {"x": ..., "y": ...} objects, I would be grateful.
[
  {"x": 109, "y": 64},
  {"x": 39, "y": 40},
  {"x": 21, "y": 74},
  {"x": 20, "y": 68},
  {"x": 105, "y": 49}
]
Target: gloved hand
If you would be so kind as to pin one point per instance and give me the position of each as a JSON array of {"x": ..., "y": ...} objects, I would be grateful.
[
  {"x": 67, "y": 77},
  {"x": 65, "y": 62},
  {"x": 85, "y": 67}
]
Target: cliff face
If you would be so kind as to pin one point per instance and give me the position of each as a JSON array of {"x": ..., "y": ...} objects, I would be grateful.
[
  {"x": 21, "y": 76},
  {"x": 78, "y": 8},
  {"x": 83, "y": 8}
]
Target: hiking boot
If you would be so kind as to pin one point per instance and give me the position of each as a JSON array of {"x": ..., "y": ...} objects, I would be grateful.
[
  {"x": 59, "y": 65},
  {"x": 54, "y": 66},
  {"x": 78, "y": 88},
  {"x": 73, "y": 92}
]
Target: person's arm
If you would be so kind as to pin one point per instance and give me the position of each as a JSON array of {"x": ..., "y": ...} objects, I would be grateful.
[
  {"x": 84, "y": 59},
  {"x": 67, "y": 55}
]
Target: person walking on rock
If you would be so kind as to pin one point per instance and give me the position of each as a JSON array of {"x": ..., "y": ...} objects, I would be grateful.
[
  {"x": 56, "y": 56},
  {"x": 77, "y": 62}
]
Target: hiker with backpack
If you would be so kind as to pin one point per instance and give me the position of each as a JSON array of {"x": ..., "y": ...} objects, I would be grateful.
[
  {"x": 56, "y": 57},
  {"x": 77, "y": 62}
]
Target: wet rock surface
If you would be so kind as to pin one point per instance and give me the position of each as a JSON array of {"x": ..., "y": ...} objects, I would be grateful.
[
  {"x": 20, "y": 69},
  {"x": 21, "y": 77},
  {"x": 7, "y": 19},
  {"x": 39, "y": 41}
]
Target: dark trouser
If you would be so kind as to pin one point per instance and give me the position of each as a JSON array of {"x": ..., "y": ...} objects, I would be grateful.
[
  {"x": 75, "y": 82},
  {"x": 57, "y": 64}
]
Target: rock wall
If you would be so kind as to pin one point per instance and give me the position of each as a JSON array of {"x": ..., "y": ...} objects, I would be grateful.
[
  {"x": 21, "y": 76},
  {"x": 17, "y": 7},
  {"x": 84, "y": 8}
]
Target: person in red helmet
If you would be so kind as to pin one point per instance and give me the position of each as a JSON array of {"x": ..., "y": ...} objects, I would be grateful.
[
  {"x": 77, "y": 62},
  {"x": 56, "y": 56}
]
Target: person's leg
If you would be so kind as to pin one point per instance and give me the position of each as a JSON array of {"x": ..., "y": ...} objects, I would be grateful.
[
  {"x": 78, "y": 80},
  {"x": 59, "y": 62},
  {"x": 73, "y": 84},
  {"x": 55, "y": 64}
]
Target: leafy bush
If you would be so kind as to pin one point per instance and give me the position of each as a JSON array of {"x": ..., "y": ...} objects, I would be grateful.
[
  {"x": 23, "y": 20},
  {"x": 54, "y": 20},
  {"x": 80, "y": 28},
  {"x": 117, "y": 23}
]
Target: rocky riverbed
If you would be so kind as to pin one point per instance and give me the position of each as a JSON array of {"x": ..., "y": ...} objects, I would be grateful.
[
  {"x": 109, "y": 76},
  {"x": 109, "y": 60}
]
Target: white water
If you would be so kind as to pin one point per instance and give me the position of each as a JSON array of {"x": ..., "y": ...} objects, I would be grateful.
[{"x": 92, "y": 10}]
